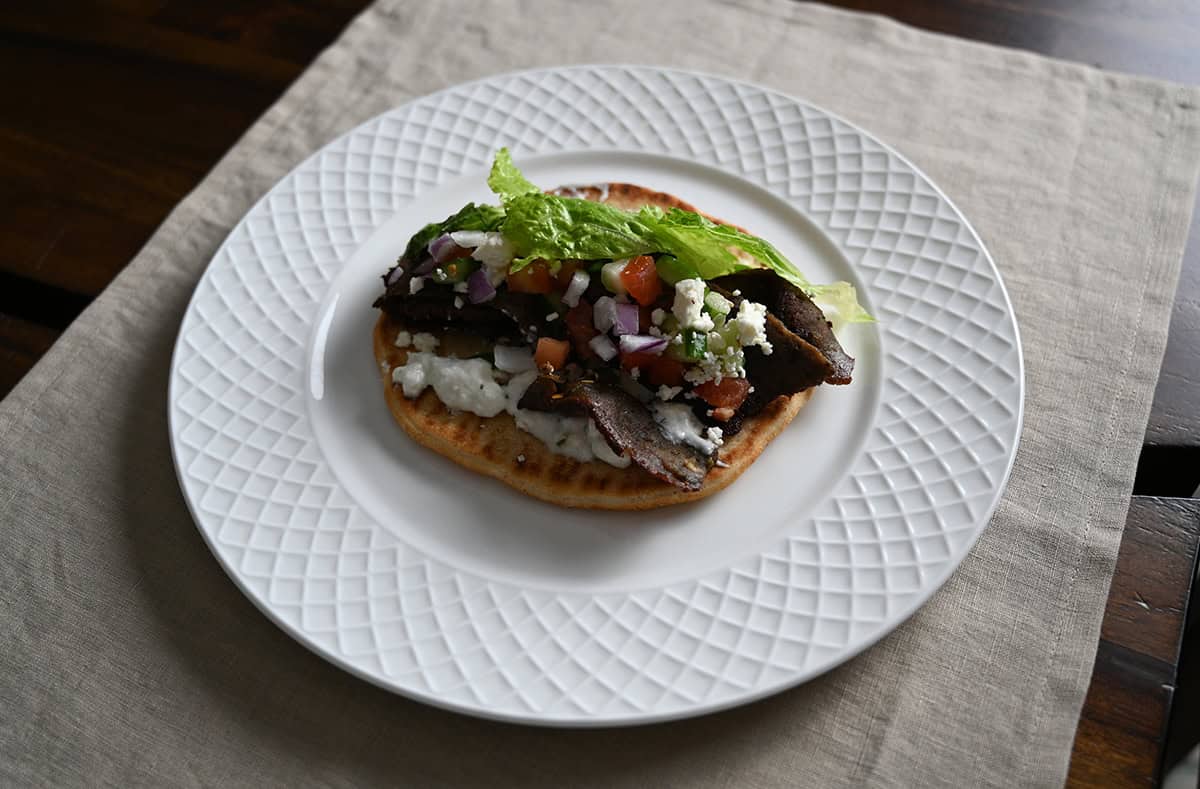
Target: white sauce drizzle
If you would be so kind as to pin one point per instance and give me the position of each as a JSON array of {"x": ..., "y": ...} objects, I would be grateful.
[
  {"x": 471, "y": 385},
  {"x": 681, "y": 426}
]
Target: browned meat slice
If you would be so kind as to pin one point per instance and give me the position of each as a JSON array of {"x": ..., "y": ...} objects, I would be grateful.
[
  {"x": 793, "y": 366},
  {"x": 797, "y": 312},
  {"x": 526, "y": 310},
  {"x": 626, "y": 424},
  {"x": 433, "y": 307}
]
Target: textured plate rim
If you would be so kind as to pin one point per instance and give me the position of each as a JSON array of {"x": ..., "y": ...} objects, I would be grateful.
[{"x": 818, "y": 668}]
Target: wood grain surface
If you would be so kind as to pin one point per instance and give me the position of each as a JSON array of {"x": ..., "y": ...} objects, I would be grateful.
[
  {"x": 1124, "y": 726},
  {"x": 121, "y": 106}
]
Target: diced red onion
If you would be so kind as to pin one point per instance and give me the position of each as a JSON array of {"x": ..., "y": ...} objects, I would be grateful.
[
  {"x": 393, "y": 275},
  {"x": 603, "y": 347},
  {"x": 604, "y": 313},
  {"x": 442, "y": 247},
  {"x": 627, "y": 319},
  {"x": 643, "y": 343},
  {"x": 479, "y": 289},
  {"x": 579, "y": 283},
  {"x": 513, "y": 358}
]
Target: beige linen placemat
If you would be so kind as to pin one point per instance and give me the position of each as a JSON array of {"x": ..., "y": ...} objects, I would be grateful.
[{"x": 127, "y": 657}]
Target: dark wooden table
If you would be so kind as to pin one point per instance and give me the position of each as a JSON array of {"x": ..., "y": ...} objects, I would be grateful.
[{"x": 112, "y": 111}]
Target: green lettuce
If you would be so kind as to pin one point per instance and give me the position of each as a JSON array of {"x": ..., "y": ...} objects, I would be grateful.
[
  {"x": 470, "y": 217},
  {"x": 547, "y": 226},
  {"x": 557, "y": 228},
  {"x": 506, "y": 180},
  {"x": 707, "y": 246},
  {"x": 540, "y": 225},
  {"x": 839, "y": 302}
]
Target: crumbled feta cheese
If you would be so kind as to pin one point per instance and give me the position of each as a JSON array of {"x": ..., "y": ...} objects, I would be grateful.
[
  {"x": 415, "y": 284},
  {"x": 657, "y": 316},
  {"x": 751, "y": 324},
  {"x": 552, "y": 317},
  {"x": 579, "y": 283},
  {"x": 717, "y": 367},
  {"x": 461, "y": 287},
  {"x": 521, "y": 458},
  {"x": 458, "y": 302},
  {"x": 737, "y": 293},
  {"x": 689, "y": 305},
  {"x": 423, "y": 341},
  {"x": 604, "y": 314},
  {"x": 403, "y": 339},
  {"x": 491, "y": 249},
  {"x": 668, "y": 392},
  {"x": 715, "y": 435}
]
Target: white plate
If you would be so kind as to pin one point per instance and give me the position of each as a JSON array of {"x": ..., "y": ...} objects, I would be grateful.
[{"x": 447, "y": 587}]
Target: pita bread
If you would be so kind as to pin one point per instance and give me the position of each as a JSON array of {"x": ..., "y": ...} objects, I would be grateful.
[{"x": 496, "y": 447}]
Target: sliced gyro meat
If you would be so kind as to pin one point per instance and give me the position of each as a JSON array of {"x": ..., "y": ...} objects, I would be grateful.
[
  {"x": 797, "y": 312},
  {"x": 627, "y": 426}
]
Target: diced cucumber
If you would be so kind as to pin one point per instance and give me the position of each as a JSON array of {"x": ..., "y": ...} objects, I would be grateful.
[
  {"x": 729, "y": 333},
  {"x": 695, "y": 344},
  {"x": 715, "y": 304},
  {"x": 716, "y": 341},
  {"x": 454, "y": 271},
  {"x": 610, "y": 276},
  {"x": 675, "y": 351},
  {"x": 672, "y": 269}
]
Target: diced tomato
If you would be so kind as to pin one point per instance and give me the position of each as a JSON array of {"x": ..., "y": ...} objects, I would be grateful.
[
  {"x": 566, "y": 270},
  {"x": 730, "y": 393},
  {"x": 641, "y": 360},
  {"x": 580, "y": 328},
  {"x": 551, "y": 352},
  {"x": 534, "y": 278},
  {"x": 665, "y": 371},
  {"x": 656, "y": 370},
  {"x": 640, "y": 278}
]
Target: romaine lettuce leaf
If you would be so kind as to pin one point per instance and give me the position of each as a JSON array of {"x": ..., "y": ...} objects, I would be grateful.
[
  {"x": 547, "y": 226},
  {"x": 557, "y": 228},
  {"x": 708, "y": 246},
  {"x": 506, "y": 180},
  {"x": 470, "y": 217},
  {"x": 839, "y": 302}
]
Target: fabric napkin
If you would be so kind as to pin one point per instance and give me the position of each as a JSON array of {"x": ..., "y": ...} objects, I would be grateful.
[{"x": 128, "y": 657}]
